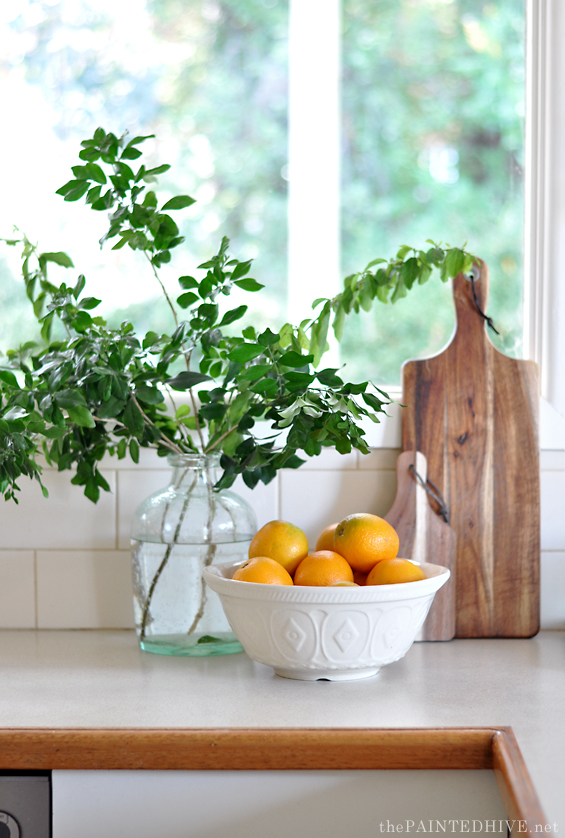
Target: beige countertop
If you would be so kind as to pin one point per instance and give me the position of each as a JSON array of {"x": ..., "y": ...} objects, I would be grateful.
[{"x": 100, "y": 679}]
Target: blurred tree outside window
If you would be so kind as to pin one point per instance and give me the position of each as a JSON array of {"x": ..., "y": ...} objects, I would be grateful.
[{"x": 432, "y": 112}]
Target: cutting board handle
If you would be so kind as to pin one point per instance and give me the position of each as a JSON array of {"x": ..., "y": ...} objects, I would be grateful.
[{"x": 465, "y": 306}]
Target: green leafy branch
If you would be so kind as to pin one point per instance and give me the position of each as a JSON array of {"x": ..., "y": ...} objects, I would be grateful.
[
  {"x": 96, "y": 390},
  {"x": 384, "y": 281}
]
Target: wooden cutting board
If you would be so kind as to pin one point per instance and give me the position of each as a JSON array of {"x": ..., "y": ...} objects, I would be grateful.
[
  {"x": 424, "y": 537},
  {"x": 473, "y": 412}
]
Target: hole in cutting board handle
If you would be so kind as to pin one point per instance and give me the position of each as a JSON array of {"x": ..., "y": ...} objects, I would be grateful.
[{"x": 474, "y": 274}]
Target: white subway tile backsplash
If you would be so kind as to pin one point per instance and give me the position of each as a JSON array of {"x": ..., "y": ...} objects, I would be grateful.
[
  {"x": 84, "y": 589},
  {"x": 553, "y": 590},
  {"x": 65, "y": 520},
  {"x": 552, "y": 510},
  {"x": 17, "y": 589},
  {"x": 263, "y": 498},
  {"x": 379, "y": 458},
  {"x": 329, "y": 460},
  {"x": 388, "y": 432},
  {"x": 312, "y": 500},
  {"x": 552, "y": 460}
]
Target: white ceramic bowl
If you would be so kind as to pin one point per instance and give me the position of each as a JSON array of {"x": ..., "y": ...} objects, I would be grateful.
[{"x": 336, "y": 634}]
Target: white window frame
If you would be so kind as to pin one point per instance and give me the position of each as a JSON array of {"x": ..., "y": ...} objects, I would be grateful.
[{"x": 544, "y": 240}]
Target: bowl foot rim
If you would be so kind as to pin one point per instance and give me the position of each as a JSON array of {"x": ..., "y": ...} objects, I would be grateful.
[{"x": 325, "y": 674}]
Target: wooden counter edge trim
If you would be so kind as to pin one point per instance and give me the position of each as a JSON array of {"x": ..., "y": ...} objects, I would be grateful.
[
  {"x": 283, "y": 749},
  {"x": 247, "y": 749},
  {"x": 515, "y": 785}
]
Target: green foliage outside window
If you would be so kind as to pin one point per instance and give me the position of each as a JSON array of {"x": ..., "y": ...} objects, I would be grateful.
[{"x": 432, "y": 140}]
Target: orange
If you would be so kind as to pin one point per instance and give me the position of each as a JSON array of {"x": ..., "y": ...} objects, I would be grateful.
[
  {"x": 326, "y": 538},
  {"x": 281, "y": 541},
  {"x": 263, "y": 570},
  {"x": 360, "y": 578},
  {"x": 391, "y": 571},
  {"x": 364, "y": 539},
  {"x": 323, "y": 568}
]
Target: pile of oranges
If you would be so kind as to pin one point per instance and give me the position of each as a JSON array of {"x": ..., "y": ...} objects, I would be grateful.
[{"x": 360, "y": 550}]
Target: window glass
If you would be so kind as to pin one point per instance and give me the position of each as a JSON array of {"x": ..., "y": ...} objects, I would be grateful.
[
  {"x": 208, "y": 78},
  {"x": 432, "y": 146},
  {"x": 433, "y": 115}
]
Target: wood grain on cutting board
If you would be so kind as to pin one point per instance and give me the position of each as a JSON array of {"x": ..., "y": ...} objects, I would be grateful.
[
  {"x": 424, "y": 537},
  {"x": 473, "y": 412}
]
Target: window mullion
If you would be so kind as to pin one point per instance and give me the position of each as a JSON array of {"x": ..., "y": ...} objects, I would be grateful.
[{"x": 314, "y": 153}]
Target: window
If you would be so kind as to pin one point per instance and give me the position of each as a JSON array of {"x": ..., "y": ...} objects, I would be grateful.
[{"x": 246, "y": 102}]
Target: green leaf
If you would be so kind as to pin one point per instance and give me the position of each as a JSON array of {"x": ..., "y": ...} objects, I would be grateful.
[
  {"x": 89, "y": 154},
  {"x": 255, "y": 372},
  {"x": 90, "y": 303},
  {"x": 15, "y": 413},
  {"x": 178, "y": 202},
  {"x": 55, "y": 432},
  {"x": 186, "y": 380},
  {"x": 454, "y": 262},
  {"x": 403, "y": 251},
  {"x": 339, "y": 322},
  {"x": 182, "y": 411},
  {"x": 59, "y": 258},
  {"x": 187, "y": 282},
  {"x": 293, "y": 359},
  {"x": 319, "y": 334},
  {"x": 130, "y": 154},
  {"x": 187, "y": 299},
  {"x": 110, "y": 407},
  {"x": 269, "y": 338},
  {"x": 91, "y": 491},
  {"x": 409, "y": 272},
  {"x": 267, "y": 387},
  {"x": 134, "y": 450},
  {"x": 241, "y": 269},
  {"x": 298, "y": 379},
  {"x": 158, "y": 170},
  {"x": 246, "y": 352},
  {"x": 81, "y": 416},
  {"x": 70, "y": 398},
  {"x": 373, "y": 401},
  {"x": 232, "y": 315},
  {"x": 9, "y": 378},
  {"x": 366, "y": 296},
  {"x": 329, "y": 378},
  {"x": 94, "y": 172},
  {"x": 399, "y": 292},
  {"x": 149, "y": 395},
  {"x": 249, "y": 284},
  {"x": 133, "y": 418},
  {"x": 207, "y": 638},
  {"x": 78, "y": 191}
]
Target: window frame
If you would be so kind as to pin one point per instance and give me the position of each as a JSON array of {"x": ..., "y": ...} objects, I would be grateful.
[{"x": 544, "y": 296}]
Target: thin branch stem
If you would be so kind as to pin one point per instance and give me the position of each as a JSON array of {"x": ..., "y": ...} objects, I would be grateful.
[
  {"x": 217, "y": 442},
  {"x": 165, "y": 439},
  {"x": 163, "y": 289}
]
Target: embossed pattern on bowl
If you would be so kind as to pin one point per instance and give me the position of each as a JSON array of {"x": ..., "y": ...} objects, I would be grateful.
[{"x": 325, "y": 633}]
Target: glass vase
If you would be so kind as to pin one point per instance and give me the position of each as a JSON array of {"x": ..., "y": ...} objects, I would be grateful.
[{"x": 176, "y": 533}]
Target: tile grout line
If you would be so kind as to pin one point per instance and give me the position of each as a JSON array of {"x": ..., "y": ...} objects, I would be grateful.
[
  {"x": 117, "y": 510},
  {"x": 35, "y": 591}
]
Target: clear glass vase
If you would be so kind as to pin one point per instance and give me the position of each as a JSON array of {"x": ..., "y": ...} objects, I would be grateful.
[{"x": 175, "y": 534}]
